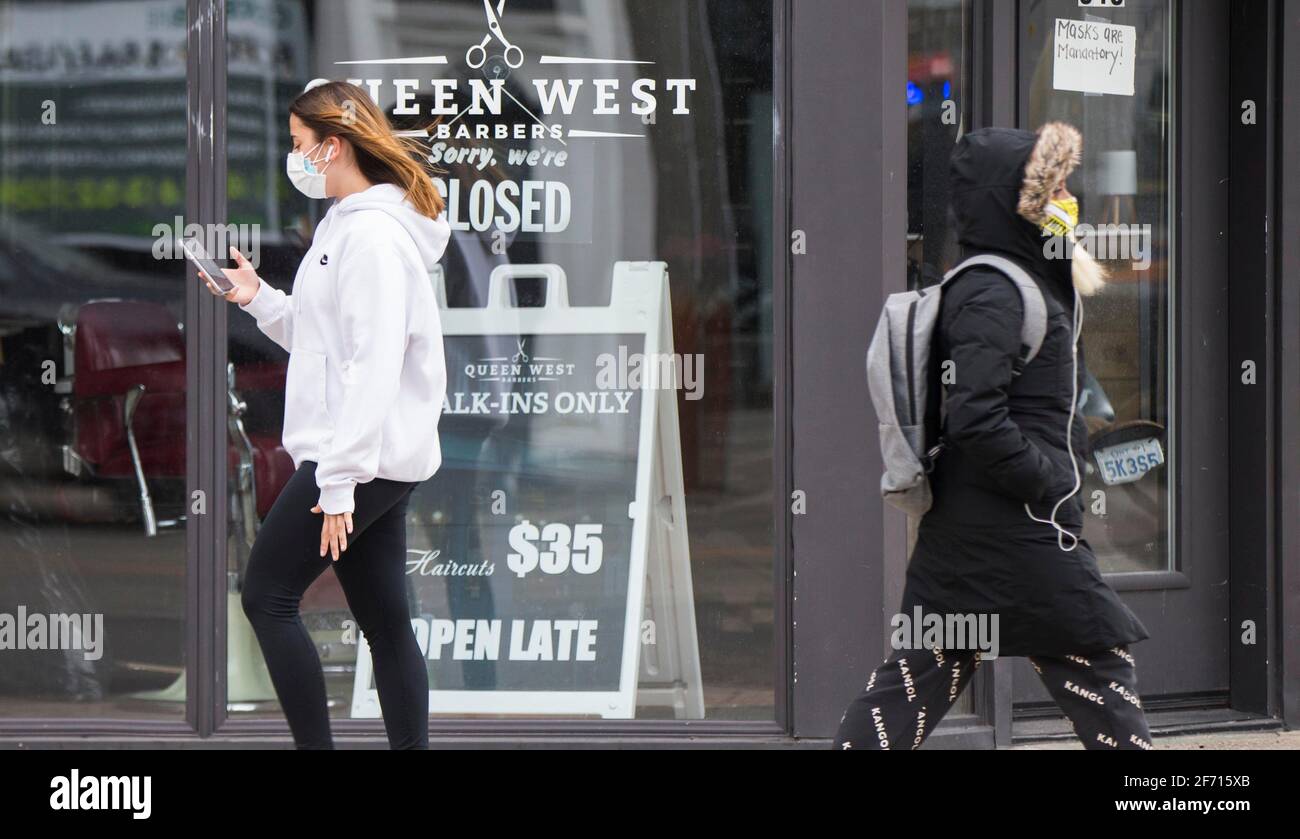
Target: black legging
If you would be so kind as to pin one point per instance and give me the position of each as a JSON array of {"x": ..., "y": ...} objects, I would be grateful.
[
  {"x": 286, "y": 559},
  {"x": 910, "y": 691}
]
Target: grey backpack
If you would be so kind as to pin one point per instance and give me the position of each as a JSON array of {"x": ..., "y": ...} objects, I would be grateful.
[{"x": 904, "y": 386}]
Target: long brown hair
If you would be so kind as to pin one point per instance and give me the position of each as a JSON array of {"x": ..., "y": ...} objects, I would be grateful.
[{"x": 340, "y": 109}]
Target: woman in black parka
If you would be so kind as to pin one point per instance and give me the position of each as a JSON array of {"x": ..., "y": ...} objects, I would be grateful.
[{"x": 1003, "y": 535}]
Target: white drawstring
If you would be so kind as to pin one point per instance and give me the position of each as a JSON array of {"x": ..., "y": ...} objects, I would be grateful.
[{"x": 1069, "y": 434}]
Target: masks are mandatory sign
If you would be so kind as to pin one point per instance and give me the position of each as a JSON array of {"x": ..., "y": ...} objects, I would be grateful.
[{"x": 1094, "y": 57}]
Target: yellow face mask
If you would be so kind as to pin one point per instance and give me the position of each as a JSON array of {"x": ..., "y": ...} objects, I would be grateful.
[{"x": 1062, "y": 217}]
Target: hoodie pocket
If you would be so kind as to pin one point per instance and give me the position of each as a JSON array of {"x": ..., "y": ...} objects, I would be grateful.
[{"x": 305, "y": 408}]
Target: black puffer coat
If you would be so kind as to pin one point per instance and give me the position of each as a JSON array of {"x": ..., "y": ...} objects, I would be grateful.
[{"x": 977, "y": 551}]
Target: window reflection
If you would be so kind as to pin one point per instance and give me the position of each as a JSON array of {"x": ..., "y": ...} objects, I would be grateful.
[{"x": 92, "y": 358}]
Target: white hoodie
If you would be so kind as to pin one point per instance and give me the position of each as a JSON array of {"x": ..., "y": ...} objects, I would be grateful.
[{"x": 367, "y": 375}]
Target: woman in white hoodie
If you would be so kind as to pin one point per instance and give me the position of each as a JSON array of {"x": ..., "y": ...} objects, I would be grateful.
[{"x": 363, "y": 396}]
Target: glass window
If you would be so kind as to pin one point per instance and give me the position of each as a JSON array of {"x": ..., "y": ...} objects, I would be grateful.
[
  {"x": 937, "y": 114},
  {"x": 1124, "y": 188},
  {"x": 578, "y": 186},
  {"x": 92, "y": 359}
]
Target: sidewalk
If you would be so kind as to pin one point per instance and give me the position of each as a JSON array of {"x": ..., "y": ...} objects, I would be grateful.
[{"x": 1246, "y": 741}]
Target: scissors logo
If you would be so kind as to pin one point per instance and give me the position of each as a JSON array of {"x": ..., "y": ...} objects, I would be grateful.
[
  {"x": 476, "y": 56},
  {"x": 521, "y": 356}
]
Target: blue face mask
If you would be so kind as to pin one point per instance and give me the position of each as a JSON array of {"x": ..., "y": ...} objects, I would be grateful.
[{"x": 303, "y": 174}]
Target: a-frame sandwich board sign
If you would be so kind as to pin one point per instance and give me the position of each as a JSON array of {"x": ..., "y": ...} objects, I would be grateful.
[{"x": 550, "y": 559}]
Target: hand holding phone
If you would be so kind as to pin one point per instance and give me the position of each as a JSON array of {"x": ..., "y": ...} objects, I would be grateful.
[{"x": 238, "y": 285}]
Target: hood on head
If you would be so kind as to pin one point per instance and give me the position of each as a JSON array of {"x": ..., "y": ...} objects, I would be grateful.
[
  {"x": 430, "y": 235},
  {"x": 1002, "y": 180},
  {"x": 1057, "y": 152}
]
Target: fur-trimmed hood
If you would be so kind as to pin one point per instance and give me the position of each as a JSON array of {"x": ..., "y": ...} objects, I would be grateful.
[
  {"x": 1002, "y": 180},
  {"x": 1057, "y": 153}
]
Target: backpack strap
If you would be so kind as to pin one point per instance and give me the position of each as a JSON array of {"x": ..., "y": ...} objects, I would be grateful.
[{"x": 1034, "y": 327}]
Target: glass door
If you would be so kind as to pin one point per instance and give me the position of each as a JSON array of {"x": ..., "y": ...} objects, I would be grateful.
[{"x": 1116, "y": 75}]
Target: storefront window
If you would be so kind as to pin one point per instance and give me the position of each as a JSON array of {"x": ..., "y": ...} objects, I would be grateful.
[
  {"x": 526, "y": 573},
  {"x": 92, "y": 360},
  {"x": 1107, "y": 71}
]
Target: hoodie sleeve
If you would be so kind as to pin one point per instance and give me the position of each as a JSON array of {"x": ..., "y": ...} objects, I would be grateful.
[
  {"x": 982, "y": 321},
  {"x": 273, "y": 310},
  {"x": 373, "y": 313}
]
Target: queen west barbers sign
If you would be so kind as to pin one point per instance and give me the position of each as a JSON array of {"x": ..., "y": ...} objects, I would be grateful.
[{"x": 526, "y": 163}]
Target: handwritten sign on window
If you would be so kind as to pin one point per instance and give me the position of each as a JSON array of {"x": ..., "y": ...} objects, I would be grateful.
[{"x": 1093, "y": 57}]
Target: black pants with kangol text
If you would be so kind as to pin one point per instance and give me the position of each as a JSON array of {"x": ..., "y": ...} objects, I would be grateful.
[
  {"x": 284, "y": 562},
  {"x": 909, "y": 693}
]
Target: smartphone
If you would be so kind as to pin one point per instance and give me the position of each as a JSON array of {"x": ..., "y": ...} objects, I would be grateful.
[{"x": 194, "y": 250}]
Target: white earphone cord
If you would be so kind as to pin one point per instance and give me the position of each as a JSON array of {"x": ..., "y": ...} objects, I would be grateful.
[{"x": 1069, "y": 434}]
